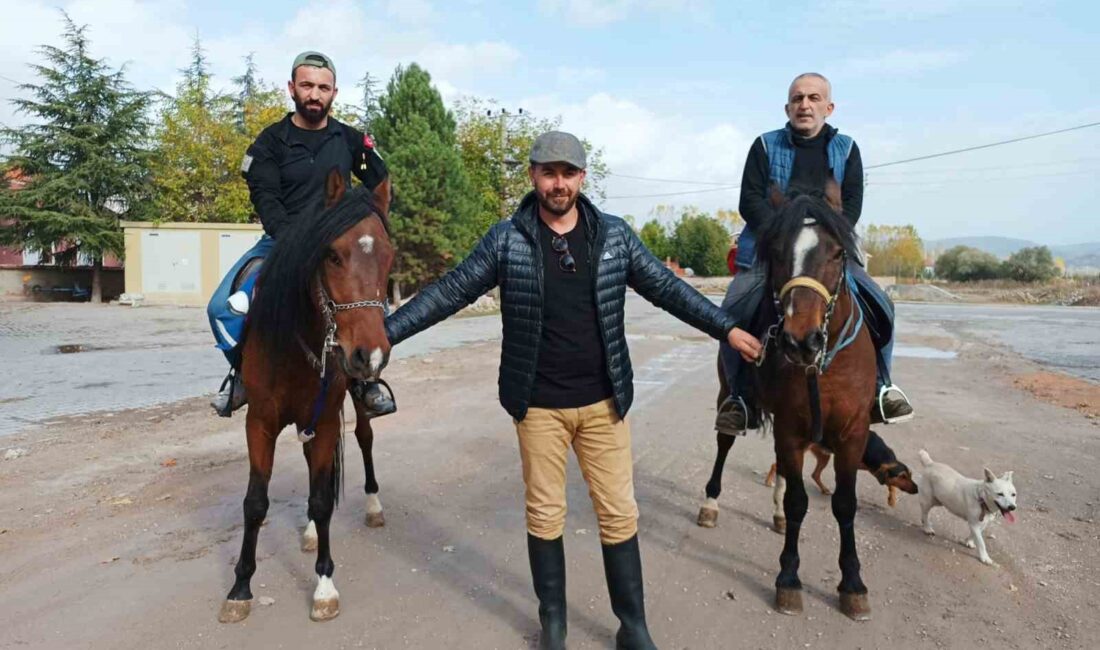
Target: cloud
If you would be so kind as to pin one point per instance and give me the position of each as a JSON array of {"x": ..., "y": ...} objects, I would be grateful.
[
  {"x": 155, "y": 37},
  {"x": 574, "y": 76},
  {"x": 638, "y": 141},
  {"x": 900, "y": 62},
  {"x": 597, "y": 13}
]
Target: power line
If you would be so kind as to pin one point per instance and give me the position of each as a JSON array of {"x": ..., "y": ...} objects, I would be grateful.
[
  {"x": 667, "y": 180},
  {"x": 651, "y": 196},
  {"x": 983, "y": 146},
  {"x": 983, "y": 180},
  {"x": 998, "y": 168}
]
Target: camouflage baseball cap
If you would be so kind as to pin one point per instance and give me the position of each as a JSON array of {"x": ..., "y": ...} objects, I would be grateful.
[
  {"x": 315, "y": 59},
  {"x": 558, "y": 146}
]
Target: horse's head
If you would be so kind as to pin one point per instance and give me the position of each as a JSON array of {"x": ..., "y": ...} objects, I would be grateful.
[
  {"x": 330, "y": 270},
  {"x": 354, "y": 275},
  {"x": 804, "y": 248}
]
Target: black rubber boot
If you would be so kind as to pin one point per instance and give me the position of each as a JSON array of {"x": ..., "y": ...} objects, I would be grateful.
[
  {"x": 373, "y": 400},
  {"x": 622, "y": 564},
  {"x": 548, "y": 574}
]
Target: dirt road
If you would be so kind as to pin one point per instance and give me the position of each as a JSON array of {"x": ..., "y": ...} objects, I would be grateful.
[{"x": 120, "y": 531}]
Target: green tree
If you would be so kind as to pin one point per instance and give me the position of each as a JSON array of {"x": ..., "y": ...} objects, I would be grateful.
[
  {"x": 701, "y": 243},
  {"x": 367, "y": 110},
  {"x": 655, "y": 236},
  {"x": 495, "y": 147},
  {"x": 893, "y": 250},
  {"x": 257, "y": 104},
  {"x": 964, "y": 264},
  {"x": 434, "y": 210},
  {"x": 196, "y": 166},
  {"x": 84, "y": 158},
  {"x": 1034, "y": 264}
]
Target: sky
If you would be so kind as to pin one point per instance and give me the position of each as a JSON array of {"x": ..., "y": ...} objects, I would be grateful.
[{"x": 675, "y": 91}]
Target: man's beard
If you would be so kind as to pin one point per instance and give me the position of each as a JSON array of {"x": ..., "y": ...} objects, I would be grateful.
[
  {"x": 555, "y": 209},
  {"x": 312, "y": 112}
]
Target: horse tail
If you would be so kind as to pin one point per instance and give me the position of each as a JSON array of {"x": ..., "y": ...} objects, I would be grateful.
[{"x": 925, "y": 459}]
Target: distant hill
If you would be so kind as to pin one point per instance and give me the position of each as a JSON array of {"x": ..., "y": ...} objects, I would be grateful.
[{"x": 1075, "y": 255}]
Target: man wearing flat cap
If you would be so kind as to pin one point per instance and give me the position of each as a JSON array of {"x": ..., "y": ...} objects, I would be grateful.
[{"x": 563, "y": 267}]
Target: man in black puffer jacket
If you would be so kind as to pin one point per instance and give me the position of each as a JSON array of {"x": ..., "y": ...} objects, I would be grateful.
[{"x": 563, "y": 268}]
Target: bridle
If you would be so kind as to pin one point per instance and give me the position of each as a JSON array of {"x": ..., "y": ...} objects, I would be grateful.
[
  {"x": 848, "y": 333},
  {"x": 329, "y": 309}
]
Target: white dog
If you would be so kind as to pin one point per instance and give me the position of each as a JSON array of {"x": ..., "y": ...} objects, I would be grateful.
[{"x": 975, "y": 501}]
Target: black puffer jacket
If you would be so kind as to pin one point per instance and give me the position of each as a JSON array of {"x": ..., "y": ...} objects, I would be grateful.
[{"x": 509, "y": 256}]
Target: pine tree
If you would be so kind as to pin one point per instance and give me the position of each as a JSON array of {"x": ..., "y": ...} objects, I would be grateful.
[
  {"x": 84, "y": 158},
  {"x": 433, "y": 213}
]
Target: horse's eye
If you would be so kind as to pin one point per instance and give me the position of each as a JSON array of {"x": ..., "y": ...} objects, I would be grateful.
[
  {"x": 839, "y": 254},
  {"x": 333, "y": 258}
]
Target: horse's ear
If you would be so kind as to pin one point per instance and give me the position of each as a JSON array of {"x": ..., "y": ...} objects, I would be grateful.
[
  {"x": 775, "y": 197},
  {"x": 335, "y": 186},
  {"x": 832, "y": 194},
  {"x": 382, "y": 195}
]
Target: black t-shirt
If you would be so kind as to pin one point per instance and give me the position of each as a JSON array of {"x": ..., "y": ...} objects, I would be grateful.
[
  {"x": 571, "y": 370},
  {"x": 312, "y": 139}
]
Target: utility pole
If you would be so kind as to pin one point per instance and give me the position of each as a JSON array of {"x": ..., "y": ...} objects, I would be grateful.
[{"x": 503, "y": 160}]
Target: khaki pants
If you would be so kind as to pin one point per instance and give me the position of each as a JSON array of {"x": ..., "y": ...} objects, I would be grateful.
[{"x": 601, "y": 441}]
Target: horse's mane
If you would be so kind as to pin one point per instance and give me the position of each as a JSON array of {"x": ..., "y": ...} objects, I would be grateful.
[
  {"x": 286, "y": 301},
  {"x": 775, "y": 241}
]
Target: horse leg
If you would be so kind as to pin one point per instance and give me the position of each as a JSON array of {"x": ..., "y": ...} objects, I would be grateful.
[
  {"x": 788, "y": 588},
  {"x": 822, "y": 457},
  {"x": 323, "y": 481},
  {"x": 365, "y": 435},
  {"x": 779, "y": 491},
  {"x": 769, "y": 480},
  {"x": 708, "y": 513},
  {"x": 309, "y": 535},
  {"x": 261, "y": 456},
  {"x": 853, "y": 593}
]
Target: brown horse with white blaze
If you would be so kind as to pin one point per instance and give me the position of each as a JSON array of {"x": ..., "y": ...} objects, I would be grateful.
[
  {"x": 817, "y": 378},
  {"x": 316, "y": 322}
]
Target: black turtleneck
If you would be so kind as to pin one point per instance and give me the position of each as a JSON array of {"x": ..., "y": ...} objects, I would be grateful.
[{"x": 811, "y": 169}]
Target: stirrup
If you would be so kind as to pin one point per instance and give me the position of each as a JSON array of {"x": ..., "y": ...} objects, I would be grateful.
[
  {"x": 381, "y": 382},
  {"x": 881, "y": 401},
  {"x": 227, "y": 410}
]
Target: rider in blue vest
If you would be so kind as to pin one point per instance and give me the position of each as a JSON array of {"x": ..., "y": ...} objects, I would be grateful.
[
  {"x": 285, "y": 169},
  {"x": 803, "y": 154}
]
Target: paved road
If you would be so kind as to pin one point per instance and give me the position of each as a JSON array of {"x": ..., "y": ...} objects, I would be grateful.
[
  {"x": 121, "y": 532},
  {"x": 142, "y": 357}
]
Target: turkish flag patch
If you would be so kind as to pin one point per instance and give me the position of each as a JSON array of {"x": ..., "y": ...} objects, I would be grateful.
[{"x": 367, "y": 142}]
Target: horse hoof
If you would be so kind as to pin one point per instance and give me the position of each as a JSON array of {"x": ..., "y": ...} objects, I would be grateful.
[
  {"x": 779, "y": 524},
  {"x": 708, "y": 517},
  {"x": 855, "y": 606},
  {"x": 325, "y": 610},
  {"x": 234, "y": 611},
  {"x": 788, "y": 601},
  {"x": 375, "y": 520}
]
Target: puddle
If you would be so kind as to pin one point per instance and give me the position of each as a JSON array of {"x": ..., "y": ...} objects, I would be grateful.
[{"x": 922, "y": 352}]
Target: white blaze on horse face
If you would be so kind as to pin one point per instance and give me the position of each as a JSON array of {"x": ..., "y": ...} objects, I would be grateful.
[
  {"x": 366, "y": 242},
  {"x": 806, "y": 242}
]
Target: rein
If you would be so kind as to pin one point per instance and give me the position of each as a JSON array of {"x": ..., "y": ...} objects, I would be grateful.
[{"x": 329, "y": 307}]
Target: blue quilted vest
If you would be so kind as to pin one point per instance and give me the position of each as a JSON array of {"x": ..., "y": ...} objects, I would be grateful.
[{"x": 780, "y": 150}]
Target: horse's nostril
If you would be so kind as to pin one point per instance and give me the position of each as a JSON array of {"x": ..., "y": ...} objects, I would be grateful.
[
  {"x": 790, "y": 341},
  {"x": 815, "y": 341},
  {"x": 359, "y": 357}
]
